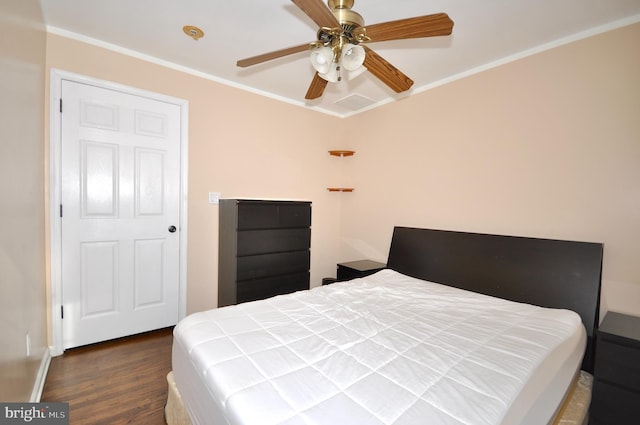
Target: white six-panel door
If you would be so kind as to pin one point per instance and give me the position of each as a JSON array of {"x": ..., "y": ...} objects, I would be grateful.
[{"x": 120, "y": 192}]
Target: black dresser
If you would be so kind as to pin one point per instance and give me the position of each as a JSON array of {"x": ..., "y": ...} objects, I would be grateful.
[
  {"x": 616, "y": 386},
  {"x": 263, "y": 249}
]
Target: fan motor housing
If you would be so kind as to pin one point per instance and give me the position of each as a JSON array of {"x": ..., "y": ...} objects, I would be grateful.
[
  {"x": 342, "y": 11},
  {"x": 340, "y": 4}
]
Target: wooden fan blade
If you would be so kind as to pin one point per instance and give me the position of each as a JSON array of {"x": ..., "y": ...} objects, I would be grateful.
[
  {"x": 387, "y": 73},
  {"x": 316, "y": 89},
  {"x": 318, "y": 11},
  {"x": 243, "y": 63},
  {"x": 420, "y": 26}
]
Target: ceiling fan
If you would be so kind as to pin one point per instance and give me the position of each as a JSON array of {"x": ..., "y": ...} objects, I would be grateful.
[{"x": 338, "y": 52}]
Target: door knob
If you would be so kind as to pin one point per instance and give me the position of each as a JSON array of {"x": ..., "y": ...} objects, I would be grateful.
[{"x": 172, "y": 229}]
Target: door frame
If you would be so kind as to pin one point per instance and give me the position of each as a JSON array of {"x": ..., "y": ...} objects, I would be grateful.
[{"x": 55, "y": 191}]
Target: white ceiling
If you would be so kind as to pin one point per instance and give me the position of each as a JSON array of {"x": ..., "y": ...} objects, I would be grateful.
[{"x": 486, "y": 33}]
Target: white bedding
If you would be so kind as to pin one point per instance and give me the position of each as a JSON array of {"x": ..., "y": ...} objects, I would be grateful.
[{"x": 385, "y": 349}]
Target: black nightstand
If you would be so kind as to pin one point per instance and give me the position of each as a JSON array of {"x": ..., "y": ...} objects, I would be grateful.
[
  {"x": 616, "y": 387},
  {"x": 355, "y": 269}
]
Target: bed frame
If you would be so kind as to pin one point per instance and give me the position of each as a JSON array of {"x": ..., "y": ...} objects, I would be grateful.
[
  {"x": 549, "y": 273},
  {"x": 544, "y": 272}
]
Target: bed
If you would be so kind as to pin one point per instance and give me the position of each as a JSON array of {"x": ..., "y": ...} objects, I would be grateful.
[{"x": 461, "y": 328}]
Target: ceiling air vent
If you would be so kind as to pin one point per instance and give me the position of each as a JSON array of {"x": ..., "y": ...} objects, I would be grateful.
[{"x": 355, "y": 102}]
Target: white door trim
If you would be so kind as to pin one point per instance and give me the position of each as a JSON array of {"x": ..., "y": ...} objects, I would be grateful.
[{"x": 55, "y": 199}]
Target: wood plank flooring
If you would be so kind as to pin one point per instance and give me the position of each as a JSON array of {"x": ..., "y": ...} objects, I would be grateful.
[{"x": 116, "y": 382}]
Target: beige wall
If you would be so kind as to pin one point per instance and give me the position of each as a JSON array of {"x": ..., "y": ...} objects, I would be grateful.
[
  {"x": 548, "y": 146},
  {"x": 240, "y": 144},
  {"x": 22, "y": 263}
]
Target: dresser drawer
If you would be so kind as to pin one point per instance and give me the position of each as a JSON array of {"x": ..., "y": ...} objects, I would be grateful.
[
  {"x": 257, "y": 289},
  {"x": 252, "y": 242},
  {"x": 256, "y": 266},
  {"x": 271, "y": 215},
  {"x": 618, "y": 363},
  {"x": 612, "y": 405}
]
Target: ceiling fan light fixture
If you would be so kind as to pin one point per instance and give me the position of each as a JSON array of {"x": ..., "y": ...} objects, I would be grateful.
[
  {"x": 337, "y": 52},
  {"x": 333, "y": 74},
  {"x": 332, "y": 63},
  {"x": 352, "y": 57},
  {"x": 322, "y": 59}
]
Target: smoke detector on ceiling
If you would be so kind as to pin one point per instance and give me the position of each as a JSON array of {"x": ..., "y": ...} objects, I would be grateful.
[{"x": 193, "y": 32}]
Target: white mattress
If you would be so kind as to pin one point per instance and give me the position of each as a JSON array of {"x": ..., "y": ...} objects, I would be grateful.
[{"x": 385, "y": 349}]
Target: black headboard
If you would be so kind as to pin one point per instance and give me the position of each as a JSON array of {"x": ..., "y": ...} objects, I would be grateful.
[{"x": 543, "y": 272}]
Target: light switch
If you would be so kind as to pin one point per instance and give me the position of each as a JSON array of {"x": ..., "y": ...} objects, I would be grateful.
[{"x": 214, "y": 197}]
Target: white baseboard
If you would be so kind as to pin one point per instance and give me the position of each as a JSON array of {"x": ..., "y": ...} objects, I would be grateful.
[{"x": 38, "y": 386}]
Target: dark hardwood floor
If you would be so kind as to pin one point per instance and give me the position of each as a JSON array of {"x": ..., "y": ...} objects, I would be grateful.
[{"x": 115, "y": 382}]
